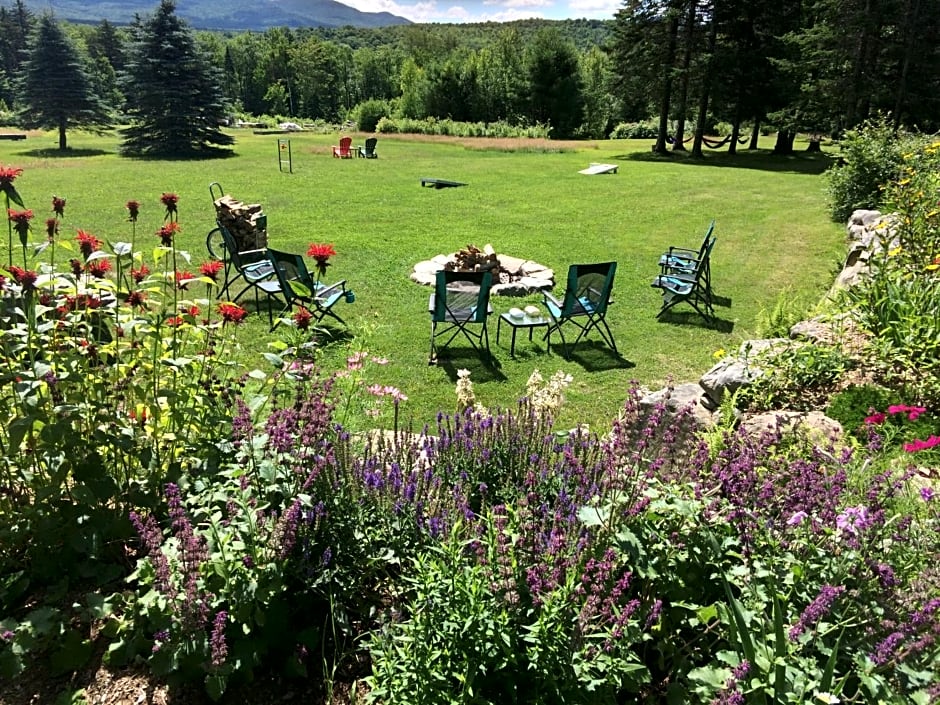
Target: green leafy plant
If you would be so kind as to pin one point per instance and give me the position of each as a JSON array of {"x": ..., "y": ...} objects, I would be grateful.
[
  {"x": 851, "y": 406},
  {"x": 871, "y": 158},
  {"x": 796, "y": 377},
  {"x": 786, "y": 310}
]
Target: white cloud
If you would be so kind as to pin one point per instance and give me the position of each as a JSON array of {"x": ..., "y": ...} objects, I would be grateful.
[
  {"x": 488, "y": 10},
  {"x": 512, "y": 4},
  {"x": 595, "y": 9}
]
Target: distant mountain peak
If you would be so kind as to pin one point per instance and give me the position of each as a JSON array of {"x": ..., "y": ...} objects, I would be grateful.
[{"x": 236, "y": 15}]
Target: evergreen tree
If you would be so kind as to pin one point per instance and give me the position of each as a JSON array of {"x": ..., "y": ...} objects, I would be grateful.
[
  {"x": 173, "y": 92},
  {"x": 555, "y": 83},
  {"x": 15, "y": 26},
  {"x": 105, "y": 41},
  {"x": 55, "y": 90}
]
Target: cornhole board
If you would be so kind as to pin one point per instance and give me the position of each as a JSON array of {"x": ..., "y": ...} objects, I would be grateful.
[
  {"x": 600, "y": 169},
  {"x": 440, "y": 183}
]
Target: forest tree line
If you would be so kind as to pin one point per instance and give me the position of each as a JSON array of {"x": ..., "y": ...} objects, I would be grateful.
[{"x": 818, "y": 66}]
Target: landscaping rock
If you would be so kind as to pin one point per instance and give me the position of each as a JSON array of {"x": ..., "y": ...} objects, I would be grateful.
[
  {"x": 688, "y": 395},
  {"x": 819, "y": 426},
  {"x": 869, "y": 232},
  {"x": 735, "y": 371},
  {"x": 517, "y": 277}
]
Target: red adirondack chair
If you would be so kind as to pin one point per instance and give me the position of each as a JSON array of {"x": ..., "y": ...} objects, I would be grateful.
[{"x": 344, "y": 150}]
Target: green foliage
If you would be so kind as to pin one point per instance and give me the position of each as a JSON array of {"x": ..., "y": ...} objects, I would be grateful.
[
  {"x": 870, "y": 159},
  {"x": 554, "y": 84},
  {"x": 433, "y": 126},
  {"x": 899, "y": 311},
  {"x": 897, "y": 304},
  {"x": 788, "y": 309},
  {"x": 173, "y": 92},
  {"x": 851, "y": 406},
  {"x": 369, "y": 113},
  {"x": 635, "y": 130},
  {"x": 796, "y": 377},
  {"x": 56, "y": 90}
]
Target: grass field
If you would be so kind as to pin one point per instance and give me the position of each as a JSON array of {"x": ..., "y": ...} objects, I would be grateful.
[{"x": 774, "y": 239}]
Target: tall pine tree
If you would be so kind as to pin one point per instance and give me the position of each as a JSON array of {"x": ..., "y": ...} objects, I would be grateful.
[
  {"x": 173, "y": 92},
  {"x": 55, "y": 90}
]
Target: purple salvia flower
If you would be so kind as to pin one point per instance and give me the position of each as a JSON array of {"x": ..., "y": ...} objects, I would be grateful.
[
  {"x": 217, "y": 644},
  {"x": 654, "y": 613},
  {"x": 741, "y": 670},
  {"x": 286, "y": 530},
  {"x": 816, "y": 610},
  {"x": 242, "y": 425},
  {"x": 152, "y": 538},
  {"x": 886, "y": 648},
  {"x": 885, "y": 575}
]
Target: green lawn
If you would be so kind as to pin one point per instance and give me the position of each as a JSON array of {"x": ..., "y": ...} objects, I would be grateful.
[{"x": 773, "y": 235}]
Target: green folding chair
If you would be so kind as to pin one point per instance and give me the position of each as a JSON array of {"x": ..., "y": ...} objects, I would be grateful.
[
  {"x": 584, "y": 305},
  {"x": 460, "y": 300}
]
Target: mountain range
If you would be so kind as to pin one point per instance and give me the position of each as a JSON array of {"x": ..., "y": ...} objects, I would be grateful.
[{"x": 237, "y": 15}]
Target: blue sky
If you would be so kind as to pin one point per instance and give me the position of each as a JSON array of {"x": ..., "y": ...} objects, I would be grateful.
[{"x": 489, "y": 10}]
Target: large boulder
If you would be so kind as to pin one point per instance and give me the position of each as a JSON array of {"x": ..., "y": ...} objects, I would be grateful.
[
  {"x": 819, "y": 427},
  {"x": 675, "y": 399},
  {"x": 735, "y": 371}
]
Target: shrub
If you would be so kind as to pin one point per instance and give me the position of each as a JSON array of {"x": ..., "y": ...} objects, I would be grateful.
[
  {"x": 369, "y": 113},
  {"x": 435, "y": 126},
  {"x": 871, "y": 158},
  {"x": 387, "y": 126},
  {"x": 635, "y": 130}
]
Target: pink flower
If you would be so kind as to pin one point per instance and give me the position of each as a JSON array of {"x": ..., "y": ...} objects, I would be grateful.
[
  {"x": 875, "y": 419},
  {"x": 354, "y": 361},
  {"x": 918, "y": 445},
  {"x": 796, "y": 519},
  {"x": 912, "y": 411}
]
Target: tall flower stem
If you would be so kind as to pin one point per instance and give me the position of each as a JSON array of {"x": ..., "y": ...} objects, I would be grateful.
[{"x": 9, "y": 232}]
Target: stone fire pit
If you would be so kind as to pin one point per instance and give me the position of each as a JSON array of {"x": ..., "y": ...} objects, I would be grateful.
[{"x": 513, "y": 276}]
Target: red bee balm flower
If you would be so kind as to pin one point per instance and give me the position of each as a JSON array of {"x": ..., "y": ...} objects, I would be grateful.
[
  {"x": 302, "y": 318},
  {"x": 211, "y": 269},
  {"x": 52, "y": 227},
  {"x": 167, "y": 232},
  {"x": 183, "y": 279},
  {"x": 169, "y": 200},
  {"x": 133, "y": 210},
  {"x": 321, "y": 253},
  {"x": 26, "y": 278},
  {"x": 87, "y": 243},
  {"x": 140, "y": 274},
  {"x": 232, "y": 313},
  {"x": 98, "y": 268},
  {"x": 20, "y": 220},
  {"x": 8, "y": 175},
  {"x": 58, "y": 206},
  {"x": 136, "y": 298}
]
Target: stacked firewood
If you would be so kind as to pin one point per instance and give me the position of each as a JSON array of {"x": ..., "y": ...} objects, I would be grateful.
[
  {"x": 473, "y": 259},
  {"x": 245, "y": 221}
]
